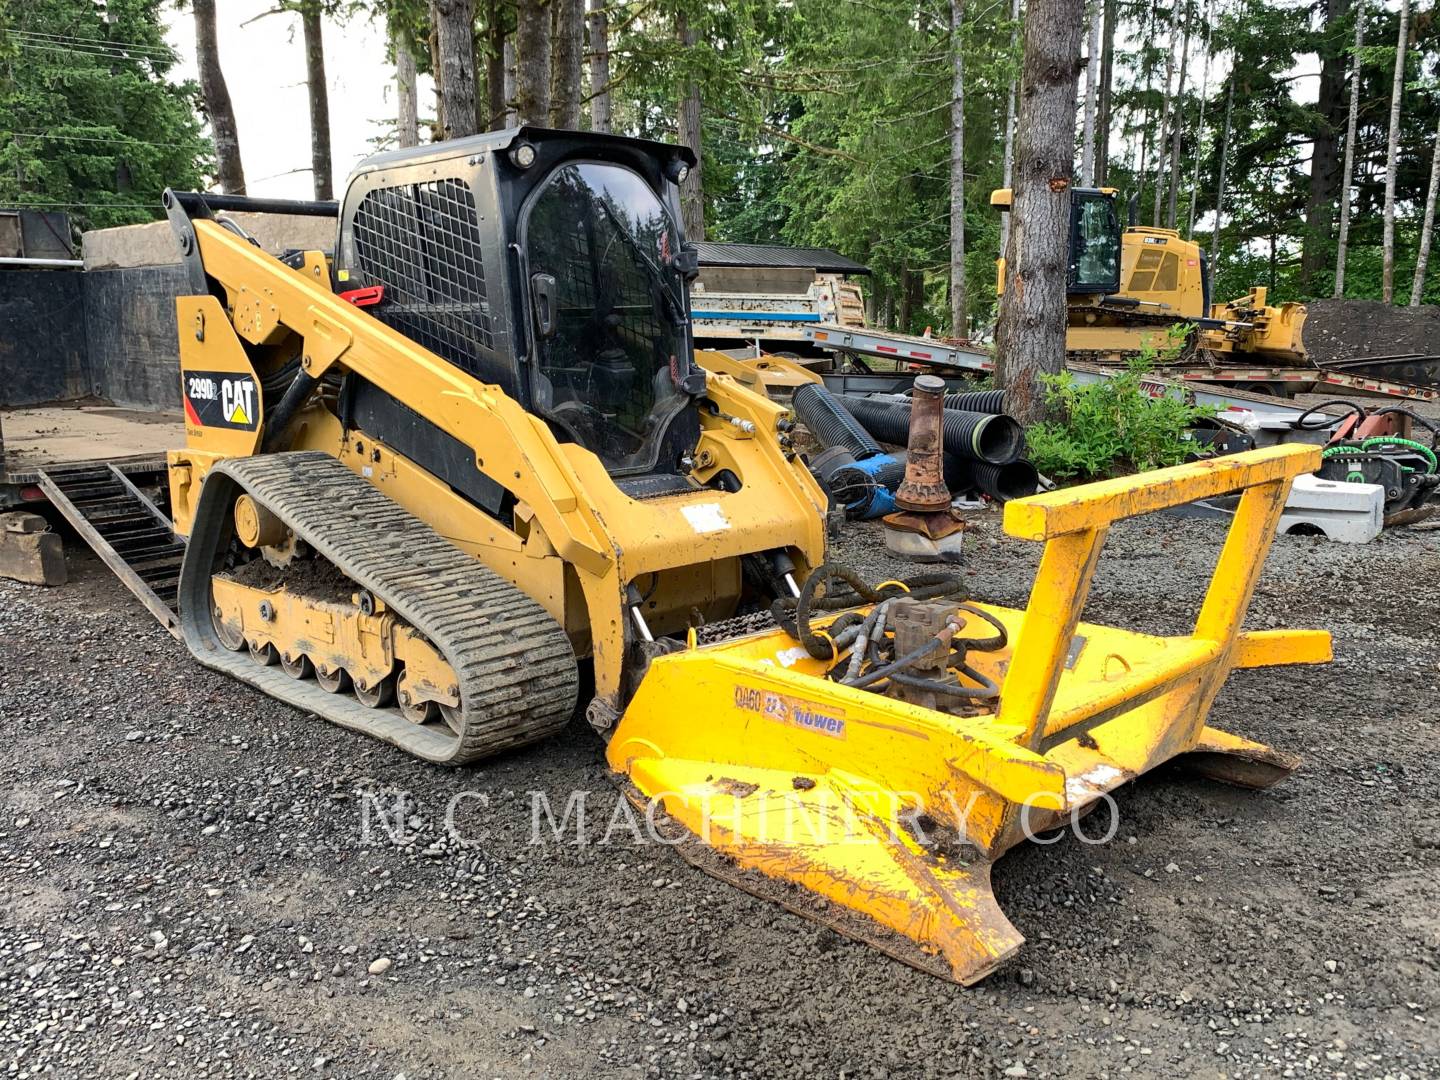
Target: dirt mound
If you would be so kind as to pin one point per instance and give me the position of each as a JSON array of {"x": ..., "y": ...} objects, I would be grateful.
[{"x": 1346, "y": 329}]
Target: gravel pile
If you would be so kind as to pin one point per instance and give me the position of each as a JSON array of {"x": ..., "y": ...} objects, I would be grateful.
[
  {"x": 1351, "y": 329},
  {"x": 186, "y": 888}
]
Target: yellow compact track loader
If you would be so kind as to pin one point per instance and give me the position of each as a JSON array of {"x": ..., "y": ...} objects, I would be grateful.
[
  {"x": 438, "y": 480},
  {"x": 1134, "y": 288}
]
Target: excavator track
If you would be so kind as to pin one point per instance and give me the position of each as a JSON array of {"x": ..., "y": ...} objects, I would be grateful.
[{"x": 516, "y": 670}]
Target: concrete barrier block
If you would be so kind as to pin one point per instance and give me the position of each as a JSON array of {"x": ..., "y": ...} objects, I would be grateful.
[
  {"x": 1344, "y": 512},
  {"x": 21, "y": 521},
  {"x": 36, "y": 558},
  {"x": 153, "y": 243}
]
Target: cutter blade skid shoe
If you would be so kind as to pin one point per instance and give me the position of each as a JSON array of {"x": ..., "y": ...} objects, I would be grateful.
[
  {"x": 434, "y": 471},
  {"x": 875, "y": 792}
]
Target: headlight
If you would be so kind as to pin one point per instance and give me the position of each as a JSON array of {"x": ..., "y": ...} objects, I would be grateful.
[
  {"x": 676, "y": 170},
  {"x": 522, "y": 156}
]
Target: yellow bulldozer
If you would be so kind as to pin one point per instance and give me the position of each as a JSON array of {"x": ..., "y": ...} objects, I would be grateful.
[
  {"x": 437, "y": 481},
  {"x": 1139, "y": 287}
]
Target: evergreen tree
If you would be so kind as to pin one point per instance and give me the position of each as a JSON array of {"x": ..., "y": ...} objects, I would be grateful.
[{"x": 90, "y": 121}]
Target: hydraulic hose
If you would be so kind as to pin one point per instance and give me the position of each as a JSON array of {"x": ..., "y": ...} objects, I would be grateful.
[
  {"x": 1423, "y": 421},
  {"x": 1409, "y": 444},
  {"x": 793, "y": 614},
  {"x": 1299, "y": 423}
]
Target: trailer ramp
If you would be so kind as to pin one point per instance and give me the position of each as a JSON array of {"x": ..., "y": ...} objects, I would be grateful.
[{"x": 132, "y": 536}]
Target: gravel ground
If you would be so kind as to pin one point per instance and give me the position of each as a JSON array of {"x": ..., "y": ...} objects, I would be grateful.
[{"x": 187, "y": 889}]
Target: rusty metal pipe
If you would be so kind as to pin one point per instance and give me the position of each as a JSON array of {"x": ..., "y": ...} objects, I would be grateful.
[{"x": 924, "y": 486}]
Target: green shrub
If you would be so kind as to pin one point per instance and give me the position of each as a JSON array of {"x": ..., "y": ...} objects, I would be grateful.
[{"x": 1110, "y": 427}]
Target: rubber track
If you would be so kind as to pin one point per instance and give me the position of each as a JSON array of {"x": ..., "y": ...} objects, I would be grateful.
[{"x": 518, "y": 676}]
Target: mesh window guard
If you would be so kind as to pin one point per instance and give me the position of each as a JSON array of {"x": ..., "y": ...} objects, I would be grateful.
[{"x": 422, "y": 242}]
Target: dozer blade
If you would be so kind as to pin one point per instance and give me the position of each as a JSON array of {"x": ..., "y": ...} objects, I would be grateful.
[{"x": 881, "y": 817}]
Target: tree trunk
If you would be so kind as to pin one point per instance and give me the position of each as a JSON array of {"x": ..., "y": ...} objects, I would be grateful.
[
  {"x": 1092, "y": 95},
  {"x": 455, "y": 66},
  {"x": 1199, "y": 126},
  {"x": 1107, "y": 78},
  {"x": 569, "y": 57},
  {"x": 692, "y": 202},
  {"x": 1178, "y": 111},
  {"x": 1392, "y": 152},
  {"x": 217, "y": 101},
  {"x": 1422, "y": 258},
  {"x": 957, "y": 172},
  {"x": 1324, "y": 166},
  {"x": 1342, "y": 245},
  {"x": 1030, "y": 332},
  {"x": 512, "y": 113},
  {"x": 406, "y": 102},
  {"x": 1009, "y": 165},
  {"x": 321, "y": 170},
  {"x": 437, "y": 78},
  {"x": 1142, "y": 165},
  {"x": 912, "y": 298},
  {"x": 1220, "y": 181},
  {"x": 532, "y": 61},
  {"x": 496, "y": 89},
  {"x": 599, "y": 26},
  {"x": 1163, "y": 166}
]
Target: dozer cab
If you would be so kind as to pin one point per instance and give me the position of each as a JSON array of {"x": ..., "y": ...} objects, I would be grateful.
[
  {"x": 1136, "y": 287},
  {"x": 438, "y": 480}
]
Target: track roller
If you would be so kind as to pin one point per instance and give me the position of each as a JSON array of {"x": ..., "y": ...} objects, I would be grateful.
[{"x": 494, "y": 670}]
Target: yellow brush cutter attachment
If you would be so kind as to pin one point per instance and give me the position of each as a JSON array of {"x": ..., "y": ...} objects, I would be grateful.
[{"x": 882, "y": 816}]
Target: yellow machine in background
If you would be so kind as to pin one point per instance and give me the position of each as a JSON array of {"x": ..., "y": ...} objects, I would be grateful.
[
  {"x": 432, "y": 479},
  {"x": 1137, "y": 287}
]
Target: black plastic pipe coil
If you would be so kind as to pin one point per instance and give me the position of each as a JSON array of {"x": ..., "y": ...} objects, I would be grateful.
[
  {"x": 995, "y": 438},
  {"x": 986, "y": 401},
  {"x": 1013, "y": 480},
  {"x": 821, "y": 412}
]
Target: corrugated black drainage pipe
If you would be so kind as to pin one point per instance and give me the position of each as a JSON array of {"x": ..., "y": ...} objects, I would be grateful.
[
  {"x": 986, "y": 401},
  {"x": 971, "y": 435},
  {"x": 1013, "y": 480},
  {"x": 831, "y": 424}
]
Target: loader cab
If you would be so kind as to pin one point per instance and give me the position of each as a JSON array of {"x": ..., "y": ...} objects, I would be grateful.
[
  {"x": 549, "y": 263},
  {"x": 1095, "y": 241}
]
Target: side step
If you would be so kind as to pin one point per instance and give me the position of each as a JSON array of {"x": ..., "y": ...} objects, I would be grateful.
[{"x": 129, "y": 532}]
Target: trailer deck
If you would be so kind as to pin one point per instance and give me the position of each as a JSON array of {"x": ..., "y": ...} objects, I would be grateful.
[
  {"x": 1408, "y": 377},
  {"x": 62, "y": 435}
]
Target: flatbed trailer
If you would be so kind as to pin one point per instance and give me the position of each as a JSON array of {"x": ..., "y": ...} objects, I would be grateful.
[
  {"x": 103, "y": 469},
  {"x": 1286, "y": 382},
  {"x": 1375, "y": 375},
  {"x": 66, "y": 435},
  {"x": 906, "y": 348}
]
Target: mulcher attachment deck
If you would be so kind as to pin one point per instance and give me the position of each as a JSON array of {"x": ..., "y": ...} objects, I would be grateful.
[
  {"x": 516, "y": 670},
  {"x": 892, "y": 813},
  {"x": 129, "y": 533}
]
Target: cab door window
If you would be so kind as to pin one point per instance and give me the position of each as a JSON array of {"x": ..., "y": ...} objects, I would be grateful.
[
  {"x": 1094, "y": 245},
  {"x": 611, "y": 311}
]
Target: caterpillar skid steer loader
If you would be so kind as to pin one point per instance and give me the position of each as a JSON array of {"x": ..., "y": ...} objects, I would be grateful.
[{"x": 432, "y": 478}]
